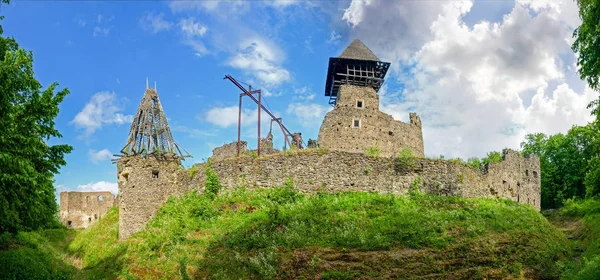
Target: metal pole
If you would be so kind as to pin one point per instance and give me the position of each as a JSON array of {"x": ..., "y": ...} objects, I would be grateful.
[
  {"x": 259, "y": 109},
  {"x": 239, "y": 124}
]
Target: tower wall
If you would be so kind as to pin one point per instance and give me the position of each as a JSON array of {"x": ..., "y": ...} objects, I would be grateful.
[
  {"x": 340, "y": 133},
  {"x": 144, "y": 186}
]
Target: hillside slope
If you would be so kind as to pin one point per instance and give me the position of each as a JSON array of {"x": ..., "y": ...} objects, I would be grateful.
[
  {"x": 580, "y": 220},
  {"x": 279, "y": 233}
]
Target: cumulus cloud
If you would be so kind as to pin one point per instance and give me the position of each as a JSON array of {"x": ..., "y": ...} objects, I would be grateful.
[
  {"x": 192, "y": 32},
  {"x": 261, "y": 59},
  {"x": 99, "y": 156},
  {"x": 308, "y": 114},
  {"x": 191, "y": 28},
  {"x": 102, "y": 109},
  {"x": 228, "y": 116},
  {"x": 477, "y": 88},
  {"x": 155, "y": 23},
  {"x": 99, "y": 186}
]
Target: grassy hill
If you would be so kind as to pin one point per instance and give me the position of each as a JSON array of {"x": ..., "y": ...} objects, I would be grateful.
[{"x": 278, "y": 233}]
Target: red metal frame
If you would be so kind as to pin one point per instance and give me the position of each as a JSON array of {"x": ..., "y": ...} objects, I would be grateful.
[{"x": 249, "y": 93}]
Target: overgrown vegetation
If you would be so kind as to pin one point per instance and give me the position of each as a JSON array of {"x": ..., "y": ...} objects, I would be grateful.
[
  {"x": 580, "y": 219},
  {"x": 405, "y": 160},
  {"x": 212, "y": 186},
  {"x": 373, "y": 151},
  {"x": 36, "y": 255},
  {"x": 570, "y": 163},
  {"x": 281, "y": 233}
]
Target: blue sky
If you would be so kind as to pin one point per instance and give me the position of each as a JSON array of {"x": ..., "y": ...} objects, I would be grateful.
[{"x": 480, "y": 74}]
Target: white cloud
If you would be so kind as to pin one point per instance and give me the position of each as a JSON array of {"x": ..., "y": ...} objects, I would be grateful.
[
  {"x": 477, "y": 88},
  {"x": 228, "y": 116},
  {"x": 155, "y": 23},
  {"x": 193, "y": 132},
  {"x": 191, "y": 28},
  {"x": 101, "y": 31},
  {"x": 308, "y": 114},
  {"x": 303, "y": 93},
  {"x": 98, "y": 156},
  {"x": 98, "y": 187},
  {"x": 209, "y": 6},
  {"x": 102, "y": 109},
  {"x": 334, "y": 38},
  {"x": 261, "y": 59},
  {"x": 81, "y": 22}
]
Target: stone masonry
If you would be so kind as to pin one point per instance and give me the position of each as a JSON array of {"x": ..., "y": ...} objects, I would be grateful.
[
  {"x": 81, "y": 209},
  {"x": 145, "y": 183},
  {"x": 356, "y": 124},
  {"x": 141, "y": 194},
  {"x": 228, "y": 151}
]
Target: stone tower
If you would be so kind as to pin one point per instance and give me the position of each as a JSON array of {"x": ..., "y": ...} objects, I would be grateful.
[
  {"x": 147, "y": 167},
  {"x": 355, "y": 123}
]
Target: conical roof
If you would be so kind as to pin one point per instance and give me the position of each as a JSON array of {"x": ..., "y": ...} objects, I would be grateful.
[
  {"x": 150, "y": 132},
  {"x": 358, "y": 50}
]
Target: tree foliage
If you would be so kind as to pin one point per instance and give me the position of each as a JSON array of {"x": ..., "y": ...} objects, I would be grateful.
[
  {"x": 570, "y": 163},
  {"x": 587, "y": 41},
  {"x": 27, "y": 162},
  {"x": 587, "y": 45}
]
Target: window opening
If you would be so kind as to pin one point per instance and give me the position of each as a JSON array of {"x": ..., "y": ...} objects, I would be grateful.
[{"x": 356, "y": 123}]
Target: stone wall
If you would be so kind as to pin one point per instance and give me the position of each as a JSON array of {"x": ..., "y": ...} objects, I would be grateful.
[
  {"x": 81, "y": 209},
  {"x": 228, "y": 151},
  {"x": 144, "y": 186},
  {"x": 356, "y": 124},
  {"x": 516, "y": 178}
]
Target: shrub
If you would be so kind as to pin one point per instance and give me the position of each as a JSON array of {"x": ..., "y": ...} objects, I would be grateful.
[
  {"x": 414, "y": 186},
  {"x": 492, "y": 157},
  {"x": 474, "y": 162},
  {"x": 193, "y": 171},
  {"x": 212, "y": 185},
  {"x": 284, "y": 194},
  {"x": 373, "y": 151},
  {"x": 405, "y": 160}
]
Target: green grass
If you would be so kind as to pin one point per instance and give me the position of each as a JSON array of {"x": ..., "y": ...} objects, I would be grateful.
[
  {"x": 279, "y": 233},
  {"x": 98, "y": 249},
  {"x": 584, "y": 218},
  {"x": 36, "y": 255}
]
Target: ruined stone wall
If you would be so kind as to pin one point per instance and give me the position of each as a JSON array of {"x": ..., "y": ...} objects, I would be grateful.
[
  {"x": 228, "y": 151},
  {"x": 516, "y": 178},
  {"x": 144, "y": 186},
  {"x": 81, "y": 209},
  {"x": 339, "y": 131}
]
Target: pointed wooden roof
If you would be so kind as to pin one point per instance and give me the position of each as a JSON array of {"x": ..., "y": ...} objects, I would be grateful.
[
  {"x": 357, "y": 65},
  {"x": 150, "y": 132},
  {"x": 358, "y": 50}
]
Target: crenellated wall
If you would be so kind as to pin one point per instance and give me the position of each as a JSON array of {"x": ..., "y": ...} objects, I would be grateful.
[
  {"x": 356, "y": 124},
  {"x": 81, "y": 209},
  {"x": 516, "y": 178}
]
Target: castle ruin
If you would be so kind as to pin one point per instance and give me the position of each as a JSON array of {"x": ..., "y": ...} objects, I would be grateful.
[
  {"x": 81, "y": 209},
  {"x": 356, "y": 123},
  {"x": 149, "y": 170}
]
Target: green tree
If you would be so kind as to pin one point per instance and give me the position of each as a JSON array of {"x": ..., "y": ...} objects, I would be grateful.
[
  {"x": 569, "y": 163},
  {"x": 492, "y": 157},
  {"x": 27, "y": 162},
  {"x": 587, "y": 45}
]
